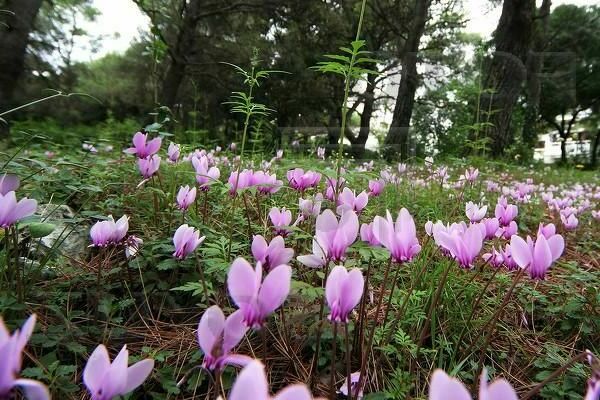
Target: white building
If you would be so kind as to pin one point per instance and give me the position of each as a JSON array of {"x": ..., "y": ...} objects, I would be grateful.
[{"x": 548, "y": 147}]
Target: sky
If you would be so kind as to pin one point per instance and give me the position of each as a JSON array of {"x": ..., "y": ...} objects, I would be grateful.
[{"x": 121, "y": 21}]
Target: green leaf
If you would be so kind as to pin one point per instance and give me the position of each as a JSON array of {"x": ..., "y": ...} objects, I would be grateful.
[{"x": 40, "y": 229}]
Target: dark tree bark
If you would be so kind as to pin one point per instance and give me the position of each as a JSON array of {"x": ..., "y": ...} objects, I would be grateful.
[
  {"x": 397, "y": 139},
  {"x": 595, "y": 148},
  {"x": 16, "y": 23},
  {"x": 365, "y": 117},
  {"x": 178, "y": 60},
  {"x": 506, "y": 72},
  {"x": 535, "y": 62}
]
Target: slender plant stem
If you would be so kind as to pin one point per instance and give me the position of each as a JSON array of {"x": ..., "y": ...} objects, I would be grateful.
[
  {"x": 345, "y": 106},
  {"x": 358, "y": 346},
  {"x": 390, "y": 297},
  {"x": 436, "y": 298},
  {"x": 554, "y": 375},
  {"x": 348, "y": 364},
  {"x": 333, "y": 360},
  {"x": 491, "y": 324},
  {"x": 202, "y": 278},
  {"x": 474, "y": 307},
  {"x": 315, "y": 363},
  {"x": 367, "y": 349}
]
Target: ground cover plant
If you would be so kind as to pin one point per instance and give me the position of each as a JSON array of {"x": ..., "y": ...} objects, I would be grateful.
[{"x": 223, "y": 273}]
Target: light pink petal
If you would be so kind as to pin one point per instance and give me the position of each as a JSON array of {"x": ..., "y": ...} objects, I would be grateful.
[
  {"x": 259, "y": 248},
  {"x": 557, "y": 245},
  {"x": 251, "y": 383},
  {"x": 241, "y": 282},
  {"x": 210, "y": 329},
  {"x": 137, "y": 374},
  {"x": 294, "y": 392},
  {"x": 154, "y": 145},
  {"x": 238, "y": 360},
  {"x": 383, "y": 231},
  {"x": 349, "y": 226},
  {"x": 334, "y": 284},
  {"x": 139, "y": 140},
  {"x": 116, "y": 378},
  {"x": 235, "y": 329},
  {"x": 96, "y": 368},
  {"x": 443, "y": 387},
  {"x": 275, "y": 289},
  {"x": 311, "y": 261},
  {"x": 542, "y": 256},
  {"x": 353, "y": 289},
  {"x": 33, "y": 390},
  {"x": 25, "y": 207},
  {"x": 9, "y": 183},
  {"x": 520, "y": 251},
  {"x": 500, "y": 389}
]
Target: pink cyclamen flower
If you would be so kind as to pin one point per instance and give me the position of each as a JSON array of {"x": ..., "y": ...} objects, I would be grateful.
[
  {"x": 265, "y": 183},
  {"x": 463, "y": 246},
  {"x": 11, "y": 349},
  {"x": 399, "y": 237},
  {"x": 273, "y": 254},
  {"x": 205, "y": 174},
  {"x": 105, "y": 380},
  {"x": 281, "y": 219},
  {"x": 251, "y": 384},
  {"x": 505, "y": 212},
  {"x": 376, "y": 187},
  {"x": 333, "y": 185},
  {"x": 186, "y": 240},
  {"x": 348, "y": 200},
  {"x": 321, "y": 152},
  {"x": 149, "y": 166},
  {"x": 354, "y": 381},
  {"x": 9, "y": 183},
  {"x": 239, "y": 181},
  {"x": 109, "y": 232},
  {"x": 310, "y": 207},
  {"x": 491, "y": 226},
  {"x": 173, "y": 152},
  {"x": 547, "y": 231},
  {"x": 538, "y": 256},
  {"x": 185, "y": 197},
  {"x": 366, "y": 235},
  {"x": 12, "y": 211},
  {"x": 570, "y": 223},
  {"x": 142, "y": 149},
  {"x": 255, "y": 297},
  {"x": 444, "y": 387},
  {"x": 343, "y": 291},
  {"x": 217, "y": 336},
  {"x": 596, "y": 215},
  {"x": 494, "y": 258},
  {"x": 471, "y": 174},
  {"x": 333, "y": 236},
  {"x": 300, "y": 180},
  {"x": 474, "y": 212},
  {"x": 507, "y": 231}
]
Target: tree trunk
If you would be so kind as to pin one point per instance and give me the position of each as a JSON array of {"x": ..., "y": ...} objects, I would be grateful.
[
  {"x": 505, "y": 73},
  {"x": 16, "y": 23},
  {"x": 595, "y": 148},
  {"x": 397, "y": 139},
  {"x": 365, "y": 117},
  {"x": 535, "y": 62},
  {"x": 563, "y": 150},
  {"x": 178, "y": 54}
]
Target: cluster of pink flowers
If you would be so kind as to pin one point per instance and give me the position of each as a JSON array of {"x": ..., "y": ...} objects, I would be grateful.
[
  {"x": 265, "y": 183},
  {"x": 146, "y": 152}
]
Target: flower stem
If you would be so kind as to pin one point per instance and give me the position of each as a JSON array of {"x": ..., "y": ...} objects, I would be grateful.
[
  {"x": 332, "y": 381},
  {"x": 366, "y": 351},
  {"x": 348, "y": 365}
]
